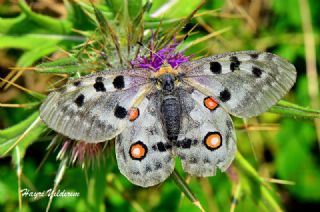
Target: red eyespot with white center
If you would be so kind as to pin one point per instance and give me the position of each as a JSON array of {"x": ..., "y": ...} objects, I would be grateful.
[
  {"x": 212, "y": 140},
  {"x": 138, "y": 150}
]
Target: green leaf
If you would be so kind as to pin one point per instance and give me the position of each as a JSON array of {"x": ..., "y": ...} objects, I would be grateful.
[
  {"x": 22, "y": 134},
  {"x": 30, "y": 41},
  {"x": 69, "y": 65},
  {"x": 173, "y": 9},
  {"x": 295, "y": 160},
  {"x": 7, "y": 24},
  {"x": 123, "y": 7},
  {"x": 51, "y": 24},
  {"x": 36, "y": 23},
  {"x": 29, "y": 57},
  {"x": 17, "y": 129}
]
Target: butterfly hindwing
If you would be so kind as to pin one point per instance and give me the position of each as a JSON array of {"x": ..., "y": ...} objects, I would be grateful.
[
  {"x": 144, "y": 155},
  {"x": 245, "y": 83},
  {"x": 207, "y": 139},
  {"x": 94, "y": 108}
]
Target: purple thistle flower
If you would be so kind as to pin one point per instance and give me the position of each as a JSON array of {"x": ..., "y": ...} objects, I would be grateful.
[{"x": 156, "y": 60}]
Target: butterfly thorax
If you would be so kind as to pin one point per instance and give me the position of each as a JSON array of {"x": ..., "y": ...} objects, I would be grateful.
[{"x": 166, "y": 78}]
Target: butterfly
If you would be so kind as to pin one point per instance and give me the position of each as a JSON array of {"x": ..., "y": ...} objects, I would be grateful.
[{"x": 180, "y": 111}]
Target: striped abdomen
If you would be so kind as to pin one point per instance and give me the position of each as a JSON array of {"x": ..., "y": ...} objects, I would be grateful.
[{"x": 171, "y": 113}]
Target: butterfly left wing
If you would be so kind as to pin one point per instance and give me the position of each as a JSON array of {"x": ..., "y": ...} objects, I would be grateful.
[
  {"x": 95, "y": 107},
  {"x": 143, "y": 152},
  {"x": 245, "y": 83},
  {"x": 207, "y": 138}
]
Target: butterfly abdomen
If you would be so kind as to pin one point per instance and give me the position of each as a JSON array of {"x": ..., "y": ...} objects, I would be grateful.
[{"x": 171, "y": 116}]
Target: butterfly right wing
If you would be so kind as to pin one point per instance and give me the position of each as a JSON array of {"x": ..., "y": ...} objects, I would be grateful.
[
  {"x": 94, "y": 108},
  {"x": 144, "y": 154},
  {"x": 245, "y": 83},
  {"x": 207, "y": 137}
]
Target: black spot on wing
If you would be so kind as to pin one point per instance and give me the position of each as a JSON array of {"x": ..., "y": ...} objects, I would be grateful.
[
  {"x": 79, "y": 100},
  {"x": 148, "y": 168},
  {"x": 215, "y": 67},
  {"x": 135, "y": 172},
  {"x": 206, "y": 160},
  {"x": 186, "y": 144},
  {"x": 235, "y": 63},
  {"x": 254, "y": 55},
  {"x": 120, "y": 112},
  {"x": 77, "y": 83},
  {"x": 161, "y": 147},
  {"x": 193, "y": 159},
  {"x": 98, "y": 85},
  {"x": 158, "y": 165},
  {"x": 173, "y": 137},
  {"x": 118, "y": 82},
  {"x": 225, "y": 95},
  {"x": 256, "y": 72}
]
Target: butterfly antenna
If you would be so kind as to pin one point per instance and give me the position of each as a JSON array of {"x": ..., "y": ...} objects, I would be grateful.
[{"x": 153, "y": 52}]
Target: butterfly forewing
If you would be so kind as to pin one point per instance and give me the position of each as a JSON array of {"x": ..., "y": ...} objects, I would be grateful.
[
  {"x": 244, "y": 83},
  {"x": 94, "y": 108}
]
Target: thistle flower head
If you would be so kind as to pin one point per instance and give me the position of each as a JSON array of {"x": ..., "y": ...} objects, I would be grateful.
[
  {"x": 80, "y": 152},
  {"x": 156, "y": 59}
]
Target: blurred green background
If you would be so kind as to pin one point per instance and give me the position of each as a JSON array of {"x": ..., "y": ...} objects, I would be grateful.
[{"x": 277, "y": 146}]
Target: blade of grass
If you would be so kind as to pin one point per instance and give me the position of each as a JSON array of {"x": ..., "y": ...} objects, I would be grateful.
[
  {"x": 27, "y": 105},
  {"x": 311, "y": 59},
  {"x": 106, "y": 29},
  {"x": 15, "y": 142},
  {"x": 17, "y": 129},
  {"x": 235, "y": 196},
  {"x": 168, "y": 36},
  {"x": 57, "y": 180},
  {"x": 245, "y": 167},
  {"x": 291, "y": 109},
  {"x": 185, "y": 189},
  {"x": 17, "y": 161},
  {"x": 204, "y": 38}
]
